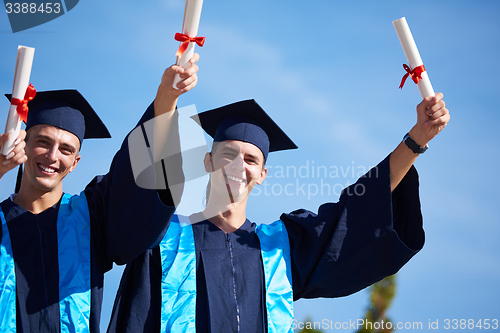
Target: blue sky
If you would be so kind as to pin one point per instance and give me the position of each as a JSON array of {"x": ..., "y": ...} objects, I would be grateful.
[{"x": 328, "y": 72}]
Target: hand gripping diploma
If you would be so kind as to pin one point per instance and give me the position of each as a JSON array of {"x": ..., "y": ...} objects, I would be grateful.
[
  {"x": 432, "y": 117},
  {"x": 16, "y": 157}
]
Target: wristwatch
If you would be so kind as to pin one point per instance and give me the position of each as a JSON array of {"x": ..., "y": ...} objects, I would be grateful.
[{"x": 413, "y": 145}]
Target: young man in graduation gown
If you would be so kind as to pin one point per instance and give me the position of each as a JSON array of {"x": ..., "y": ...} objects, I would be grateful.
[
  {"x": 55, "y": 247},
  {"x": 216, "y": 271}
]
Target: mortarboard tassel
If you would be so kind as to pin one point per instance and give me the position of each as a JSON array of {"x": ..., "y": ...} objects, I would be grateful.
[{"x": 19, "y": 178}]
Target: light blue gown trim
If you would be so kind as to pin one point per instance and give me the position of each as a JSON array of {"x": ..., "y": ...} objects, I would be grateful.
[
  {"x": 178, "y": 258},
  {"x": 178, "y": 283},
  {"x": 7, "y": 282},
  {"x": 275, "y": 251},
  {"x": 73, "y": 237}
]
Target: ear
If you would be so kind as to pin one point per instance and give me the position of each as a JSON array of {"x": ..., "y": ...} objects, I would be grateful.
[
  {"x": 207, "y": 161},
  {"x": 263, "y": 175},
  {"x": 75, "y": 162}
]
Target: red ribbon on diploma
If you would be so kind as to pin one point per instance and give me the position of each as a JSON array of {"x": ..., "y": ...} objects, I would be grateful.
[
  {"x": 22, "y": 104},
  {"x": 186, "y": 39},
  {"x": 415, "y": 73}
]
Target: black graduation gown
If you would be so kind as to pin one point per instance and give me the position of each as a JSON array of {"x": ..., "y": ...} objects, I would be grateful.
[
  {"x": 342, "y": 249},
  {"x": 125, "y": 221}
]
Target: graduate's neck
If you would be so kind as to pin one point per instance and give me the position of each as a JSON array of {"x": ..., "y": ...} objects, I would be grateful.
[
  {"x": 229, "y": 218},
  {"x": 35, "y": 200}
]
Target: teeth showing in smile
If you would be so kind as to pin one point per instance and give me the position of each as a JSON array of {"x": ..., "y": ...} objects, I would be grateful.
[
  {"x": 235, "y": 179},
  {"x": 46, "y": 169}
]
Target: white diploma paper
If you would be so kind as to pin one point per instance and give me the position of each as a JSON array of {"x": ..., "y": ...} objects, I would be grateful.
[
  {"x": 412, "y": 55},
  {"x": 192, "y": 13},
  {"x": 22, "y": 74}
]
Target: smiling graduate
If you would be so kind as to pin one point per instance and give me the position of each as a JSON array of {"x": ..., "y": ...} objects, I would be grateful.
[
  {"x": 216, "y": 271},
  {"x": 56, "y": 247}
]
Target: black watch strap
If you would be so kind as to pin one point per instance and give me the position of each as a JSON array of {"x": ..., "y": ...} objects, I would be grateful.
[{"x": 413, "y": 145}]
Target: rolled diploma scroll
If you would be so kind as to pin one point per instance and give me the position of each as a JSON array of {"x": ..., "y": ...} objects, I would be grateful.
[
  {"x": 192, "y": 13},
  {"x": 412, "y": 55},
  {"x": 21, "y": 80}
]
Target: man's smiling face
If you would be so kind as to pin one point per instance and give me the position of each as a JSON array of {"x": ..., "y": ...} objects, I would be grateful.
[
  {"x": 236, "y": 167},
  {"x": 52, "y": 154}
]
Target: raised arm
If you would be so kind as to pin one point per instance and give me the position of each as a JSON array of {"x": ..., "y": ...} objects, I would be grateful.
[
  {"x": 132, "y": 218},
  {"x": 166, "y": 96},
  {"x": 432, "y": 117},
  {"x": 372, "y": 231},
  {"x": 15, "y": 157},
  {"x": 166, "y": 99}
]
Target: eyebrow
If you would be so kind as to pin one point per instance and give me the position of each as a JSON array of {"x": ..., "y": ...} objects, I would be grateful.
[
  {"x": 64, "y": 145},
  {"x": 254, "y": 157},
  {"x": 236, "y": 150},
  {"x": 229, "y": 148},
  {"x": 41, "y": 136}
]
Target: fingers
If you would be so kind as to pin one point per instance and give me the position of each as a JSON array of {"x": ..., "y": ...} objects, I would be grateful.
[
  {"x": 188, "y": 83},
  {"x": 437, "y": 97},
  {"x": 191, "y": 70},
  {"x": 16, "y": 157},
  {"x": 436, "y": 110},
  {"x": 189, "y": 76},
  {"x": 435, "y": 114},
  {"x": 432, "y": 117},
  {"x": 195, "y": 58},
  {"x": 17, "y": 153},
  {"x": 20, "y": 137},
  {"x": 429, "y": 102},
  {"x": 439, "y": 118},
  {"x": 432, "y": 108}
]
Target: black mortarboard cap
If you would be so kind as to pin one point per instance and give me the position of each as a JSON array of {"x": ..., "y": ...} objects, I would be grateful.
[
  {"x": 68, "y": 110},
  {"x": 245, "y": 121}
]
